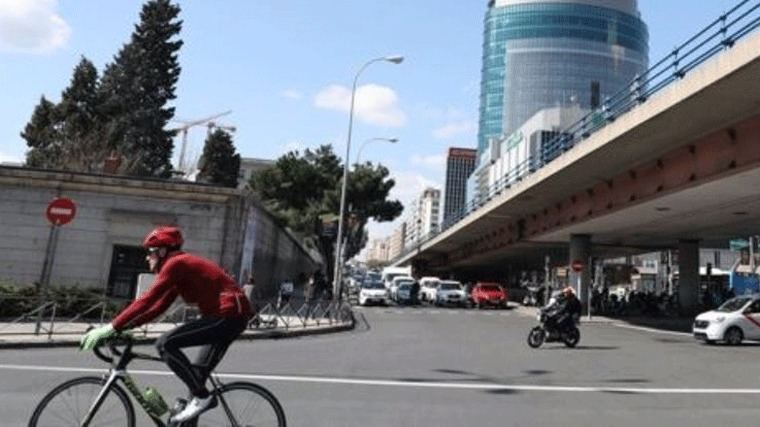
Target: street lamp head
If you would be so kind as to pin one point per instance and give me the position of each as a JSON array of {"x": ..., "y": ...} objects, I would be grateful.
[
  {"x": 394, "y": 59},
  {"x": 393, "y": 140}
]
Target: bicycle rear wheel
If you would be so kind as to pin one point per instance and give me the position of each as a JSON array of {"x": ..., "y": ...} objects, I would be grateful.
[
  {"x": 67, "y": 405},
  {"x": 244, "y": 404}
]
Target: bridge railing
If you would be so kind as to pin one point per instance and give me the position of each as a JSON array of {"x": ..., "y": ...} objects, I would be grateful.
[{"x": 719, "y": 35}]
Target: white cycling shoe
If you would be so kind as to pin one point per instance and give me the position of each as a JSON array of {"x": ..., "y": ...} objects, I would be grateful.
[{"x": 194, "y": 408}]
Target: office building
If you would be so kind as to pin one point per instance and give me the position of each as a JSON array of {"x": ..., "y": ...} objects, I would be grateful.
[
  {"x": 460, "y": 163},
  {"x": 423, "y": 217},
  {"x": 540, "y": 53}
]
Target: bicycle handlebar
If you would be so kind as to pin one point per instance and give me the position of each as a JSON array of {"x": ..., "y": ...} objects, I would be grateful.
[{"x": 121, "y": 339}]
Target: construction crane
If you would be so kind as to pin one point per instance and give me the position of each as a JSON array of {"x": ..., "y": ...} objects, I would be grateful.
[
  {"x": 212, "y": 125},
  {"x": 187, "y": 125}
]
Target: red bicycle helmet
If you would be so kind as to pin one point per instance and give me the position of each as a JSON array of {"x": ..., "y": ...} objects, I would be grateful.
[{"x": 164, "y": 236}]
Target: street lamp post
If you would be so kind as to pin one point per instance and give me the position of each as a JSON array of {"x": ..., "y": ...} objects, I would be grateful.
[
  {"x": 337, "y": 273},
  {"x": 359, "y": 153}
]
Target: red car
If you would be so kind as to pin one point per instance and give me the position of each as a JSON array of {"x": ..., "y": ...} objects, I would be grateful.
[{"x": 486, "y": 294}]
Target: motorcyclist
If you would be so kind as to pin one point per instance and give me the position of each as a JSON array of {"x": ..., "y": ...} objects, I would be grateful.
[{"x": 563, "y": 310}]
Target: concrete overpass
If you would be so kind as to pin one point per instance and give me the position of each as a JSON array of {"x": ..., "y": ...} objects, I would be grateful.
[{"x": 680, "y": 168}]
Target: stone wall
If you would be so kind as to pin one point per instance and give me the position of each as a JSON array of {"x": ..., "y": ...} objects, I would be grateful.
[{"x": 114, "y": 210}]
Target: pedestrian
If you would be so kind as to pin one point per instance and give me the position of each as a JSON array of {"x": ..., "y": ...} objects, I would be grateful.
[
  {"x": 285, "y": 292},
  {"x": 311, "y": 292}
]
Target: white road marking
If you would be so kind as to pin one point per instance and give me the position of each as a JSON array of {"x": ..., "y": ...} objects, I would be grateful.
[{"x": 414, "y": 384}]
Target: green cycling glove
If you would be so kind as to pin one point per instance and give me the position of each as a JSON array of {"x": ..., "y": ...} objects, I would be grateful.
[{"x": 93, "y": 337}]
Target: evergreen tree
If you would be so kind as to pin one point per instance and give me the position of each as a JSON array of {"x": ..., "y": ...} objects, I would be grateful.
[
  {"x": 219, "y": 163},
  {"x": 81, "y": 141},
  {"x": 136, "y": 88},
  {"x": 42, "y": 136}
]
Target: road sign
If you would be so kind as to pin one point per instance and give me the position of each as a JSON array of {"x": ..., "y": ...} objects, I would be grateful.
[
  {"x": 61, "y": 211},
  {"x": 577, "y": 266}
]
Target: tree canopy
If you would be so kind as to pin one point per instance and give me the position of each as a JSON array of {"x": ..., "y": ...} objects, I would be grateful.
[
  {"x": 303, "y": 192},
  {"x": 125, "y": 111},
  {"x": 219, "y": 164}
]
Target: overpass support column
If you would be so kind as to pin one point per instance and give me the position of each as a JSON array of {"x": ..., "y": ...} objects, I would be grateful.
[
  {"x": 580, "y": 250},
  {"x": 688, "y": 274}
]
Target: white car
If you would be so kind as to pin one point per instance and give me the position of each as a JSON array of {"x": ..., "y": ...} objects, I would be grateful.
[
  {"x": 395, "y": 284},
  {"x": 450, "y": 292},
  {"x": 427, "y": 288},
  {"x": 734, "y": 321},
  {"x": 373, "y": 293}
]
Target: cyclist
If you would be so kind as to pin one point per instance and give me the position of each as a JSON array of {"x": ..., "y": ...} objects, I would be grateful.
[{"x": 224, "y": 308}]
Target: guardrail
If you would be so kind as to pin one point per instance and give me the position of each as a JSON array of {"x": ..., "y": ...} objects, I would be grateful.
[
  {"x": 45, "y": 318},
  {"x": 718, "y": 36}
]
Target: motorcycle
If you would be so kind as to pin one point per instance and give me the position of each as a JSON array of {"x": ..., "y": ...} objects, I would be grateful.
[{"x": 544, "y": 333}]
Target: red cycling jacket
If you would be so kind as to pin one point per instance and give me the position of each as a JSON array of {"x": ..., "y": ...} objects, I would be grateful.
[{"x": 197, "y": 280}]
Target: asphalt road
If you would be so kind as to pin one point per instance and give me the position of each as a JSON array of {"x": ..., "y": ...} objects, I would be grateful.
[{"x": 455, "y": 367}]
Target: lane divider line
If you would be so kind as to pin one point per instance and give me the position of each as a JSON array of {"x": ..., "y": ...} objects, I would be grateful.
[{"x": 416, "y": 384}]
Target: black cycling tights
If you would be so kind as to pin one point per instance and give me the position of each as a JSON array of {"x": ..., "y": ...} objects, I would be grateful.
[{"x": 215, "y": 334}]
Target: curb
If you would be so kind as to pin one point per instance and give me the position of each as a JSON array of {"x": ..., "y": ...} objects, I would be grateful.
[{"x": 247, "y": 336}]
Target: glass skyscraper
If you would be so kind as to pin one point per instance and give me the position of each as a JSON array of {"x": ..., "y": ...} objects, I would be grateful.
[{"x": 546, "y": 53}]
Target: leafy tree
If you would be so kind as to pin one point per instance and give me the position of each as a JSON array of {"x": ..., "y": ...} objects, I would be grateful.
[
  {"x": 303, "y": 191},
  {"x": 81, "y": 139},
  {"x": 136, "y": 88},
  {"x": 219, "y": 163},
  {"x": 42, "y": 135}
]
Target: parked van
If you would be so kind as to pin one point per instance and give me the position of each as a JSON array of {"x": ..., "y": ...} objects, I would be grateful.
[{"x": 390, "y": 272}]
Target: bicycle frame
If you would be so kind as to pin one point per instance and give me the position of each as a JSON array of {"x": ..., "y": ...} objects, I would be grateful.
[{"x": 118, "y": 372}]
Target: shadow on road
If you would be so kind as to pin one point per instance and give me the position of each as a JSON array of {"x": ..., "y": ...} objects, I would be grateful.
[
  {"x": 502, "y": 391},
  {"x": 582, "y": 347}
]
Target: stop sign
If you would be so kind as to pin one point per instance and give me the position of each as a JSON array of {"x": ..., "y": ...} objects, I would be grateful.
[
  {"x": 577, "y": 266},
  {"x": 61, "y": 211}
]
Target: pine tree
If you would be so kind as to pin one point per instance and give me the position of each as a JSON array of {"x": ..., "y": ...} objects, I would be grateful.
[
  {"x": 81, "y": 140},
  {"x": 136, "y": 88},
  {"x": 42, "y": 136},
  {"x": 219, "y": 163}
]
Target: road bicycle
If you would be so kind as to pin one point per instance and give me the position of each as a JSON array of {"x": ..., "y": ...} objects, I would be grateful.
[{"x": 102, "y": 402}]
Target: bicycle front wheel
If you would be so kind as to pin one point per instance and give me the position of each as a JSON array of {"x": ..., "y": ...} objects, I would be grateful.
[
  {"x": 68, "y": 404},
  {"x": 244, "y": 404}
]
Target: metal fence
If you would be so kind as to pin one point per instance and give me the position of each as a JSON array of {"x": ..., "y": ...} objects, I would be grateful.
[
  {"x": 46, "y": 317},
  {"x": 718, "y": 36}
]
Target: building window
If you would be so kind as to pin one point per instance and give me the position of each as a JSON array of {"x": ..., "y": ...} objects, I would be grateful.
[{"x": 127, "y": 263}]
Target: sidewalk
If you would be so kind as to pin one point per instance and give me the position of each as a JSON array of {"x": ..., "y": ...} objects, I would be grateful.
[
  {"x": 21, "y": 335},
  {"x": 672, "y": 324}
]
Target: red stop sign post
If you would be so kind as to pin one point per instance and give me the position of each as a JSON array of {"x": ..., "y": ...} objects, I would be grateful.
[{"x": 59, "y": 212}]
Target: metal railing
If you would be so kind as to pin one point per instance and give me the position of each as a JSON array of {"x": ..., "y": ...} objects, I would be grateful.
[
  {"x": 721, "y": 34},
  {"x": 98, "y": 311}
]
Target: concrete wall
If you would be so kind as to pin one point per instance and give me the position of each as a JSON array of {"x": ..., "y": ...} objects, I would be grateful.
[{"x": 120, "y": 211}]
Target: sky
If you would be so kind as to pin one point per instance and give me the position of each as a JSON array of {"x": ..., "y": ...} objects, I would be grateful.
[{"x": 285, "y": 69}]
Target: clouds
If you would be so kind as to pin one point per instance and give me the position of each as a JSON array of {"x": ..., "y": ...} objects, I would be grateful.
[
  {"x": 31, "y": 26},
  {"x": 456, "y": 128},
  {"x": 374, "y": 104}
]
